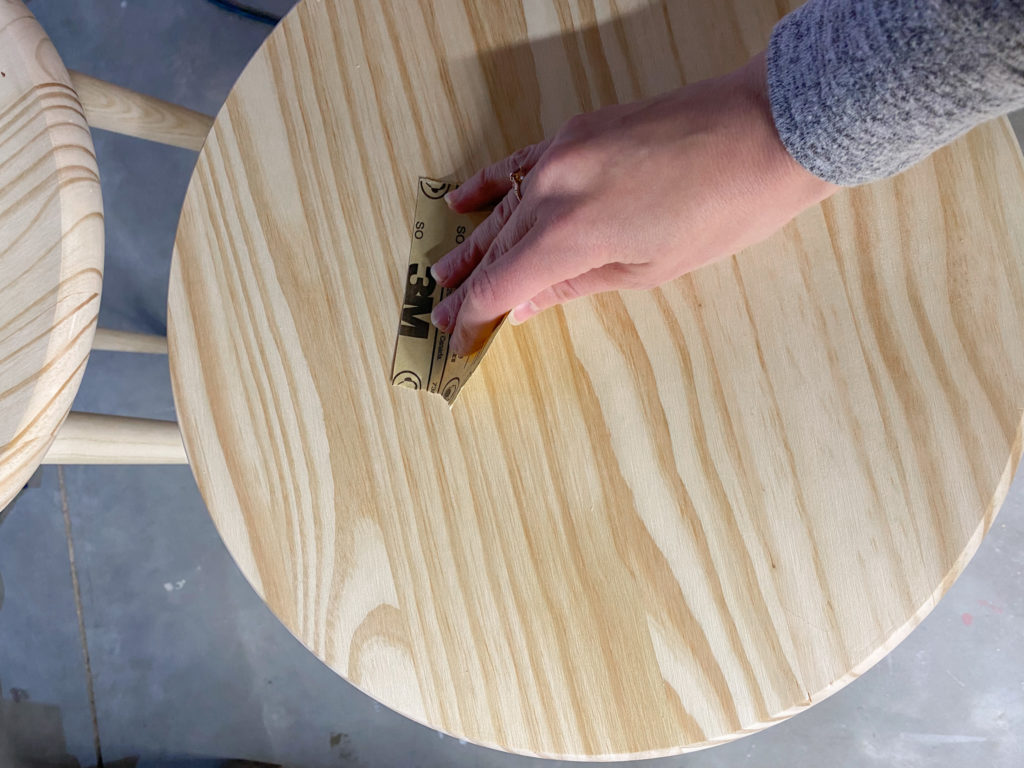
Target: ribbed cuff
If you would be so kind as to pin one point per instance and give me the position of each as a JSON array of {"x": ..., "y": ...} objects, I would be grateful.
[{"x": 861, "y": 89}]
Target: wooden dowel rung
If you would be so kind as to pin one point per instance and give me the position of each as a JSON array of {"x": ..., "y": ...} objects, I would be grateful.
[
  {"x": 92, "y": 438},
  {"x": 113, "y": 108},
  {"x": 126, "y": 341}
]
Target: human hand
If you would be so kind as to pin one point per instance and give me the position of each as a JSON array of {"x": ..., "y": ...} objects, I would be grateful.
[{"x": 629, "y": 196}]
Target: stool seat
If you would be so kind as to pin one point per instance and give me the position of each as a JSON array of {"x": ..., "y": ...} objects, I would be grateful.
[
  {"x": 653, "y": 521},
  {"x": 51, "y": 245}
]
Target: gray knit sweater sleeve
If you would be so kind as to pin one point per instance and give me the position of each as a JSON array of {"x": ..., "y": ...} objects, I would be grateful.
[{"x": 861, "y": 89}]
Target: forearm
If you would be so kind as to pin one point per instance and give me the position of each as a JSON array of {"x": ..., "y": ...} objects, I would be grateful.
[{"x": 861, "y": 89}]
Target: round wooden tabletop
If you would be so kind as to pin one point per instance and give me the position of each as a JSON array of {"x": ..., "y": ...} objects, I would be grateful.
[
  {"x": 653, "y": 521},
  {"x": 51, "y": 245}
]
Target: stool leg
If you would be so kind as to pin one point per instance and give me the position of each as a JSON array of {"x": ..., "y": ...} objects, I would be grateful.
[
  {"x": 113, "y": 108},
  {"x": 93, "y": 438}
]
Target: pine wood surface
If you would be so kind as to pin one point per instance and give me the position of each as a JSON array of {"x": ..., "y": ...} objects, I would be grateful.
[
  {"x": 51, "y": 245},
  {"x": 653, "y": 521}
]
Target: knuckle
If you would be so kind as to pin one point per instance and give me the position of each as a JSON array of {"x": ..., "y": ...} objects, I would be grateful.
[
  {"x": 561, "y": 154},
  {"x": 505, "y": 240},
  {"x": 483, "y": 291},
  {"x": 576, "y": 126},
  {"x": 459, "y": 336},
  {"x": 564, "y": 164},
  {"x": 455, "y": 301},
  {"x": 565, "y": 292},
  {"x": 451, "y": 259},
  {"x": 464, "y": 259},
  {"x": 517, "y": 160},
  {"x": 478, "y": 179},
  {"x": 645, "y": 284},
  {"x": 542, "y": 178},
  {"x": 644, "y": 280},
  {"x": 485, "y": 233},
  {"x": 478, "y": 240},
  {"x": 473, "y": 258},
  {"x": 505, "y": 207},
  {"x": 483, "y": 246}
]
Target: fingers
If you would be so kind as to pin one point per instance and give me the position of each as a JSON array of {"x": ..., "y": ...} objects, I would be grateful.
[
  {"x": 493, "y": 183},
  {"x": 446, "y": 313},
  {"x": 452, "y": 268},
  {"x": 504, "y": 279},
  {"x": 610, "y": 277}
]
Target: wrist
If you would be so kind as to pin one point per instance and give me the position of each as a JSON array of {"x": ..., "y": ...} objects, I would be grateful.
[{"x": 750, "y": 82}]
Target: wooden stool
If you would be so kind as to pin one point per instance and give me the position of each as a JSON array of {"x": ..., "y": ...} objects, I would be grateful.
[
  {"x": 654, "y": 521},
  {"x": 51, "y": 255}
]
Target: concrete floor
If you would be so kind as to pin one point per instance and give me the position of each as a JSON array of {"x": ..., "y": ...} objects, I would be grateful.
[{"x": 186, "y": 667}]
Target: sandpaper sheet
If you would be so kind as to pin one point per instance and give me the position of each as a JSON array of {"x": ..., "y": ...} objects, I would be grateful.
[{"x": 422, "y": 359}]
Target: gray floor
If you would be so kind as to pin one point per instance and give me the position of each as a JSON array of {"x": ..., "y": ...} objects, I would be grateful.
[{"x": 186, "y": 667}]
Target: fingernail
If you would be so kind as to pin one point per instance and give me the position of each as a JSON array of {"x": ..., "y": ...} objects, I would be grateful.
[
  {"x": 522, "y": 313},
  {"x": 450, "y": 199},
  {"x": 438, "y": 272},
  {"x": 441, "y": 317}
]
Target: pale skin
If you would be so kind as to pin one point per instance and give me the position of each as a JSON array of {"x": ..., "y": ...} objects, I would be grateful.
[{"x": 626, "y": 197}]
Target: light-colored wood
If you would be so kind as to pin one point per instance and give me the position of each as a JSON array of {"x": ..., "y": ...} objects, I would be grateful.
[
  {"x": 653, "y": 521},
  {"x": 51, "y": 245},
  {"x": 113, "y": 108},
  {"x": 95, "y": 438},
  {"x": 127, "y": 341}
]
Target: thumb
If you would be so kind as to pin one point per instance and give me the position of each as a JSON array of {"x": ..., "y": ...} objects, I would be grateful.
[{"x": 609, "y": 277}]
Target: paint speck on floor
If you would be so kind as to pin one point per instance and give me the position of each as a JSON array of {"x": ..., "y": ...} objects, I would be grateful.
[{"x": 991, "y": 606}]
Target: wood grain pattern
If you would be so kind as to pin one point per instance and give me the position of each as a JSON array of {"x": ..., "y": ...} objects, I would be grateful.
[
  {"x": 95, "y": 438},
  {"x": 51, "y": 245},
  {"x": 654, "y": 521},
  {"x": 113, "y": 108}
]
